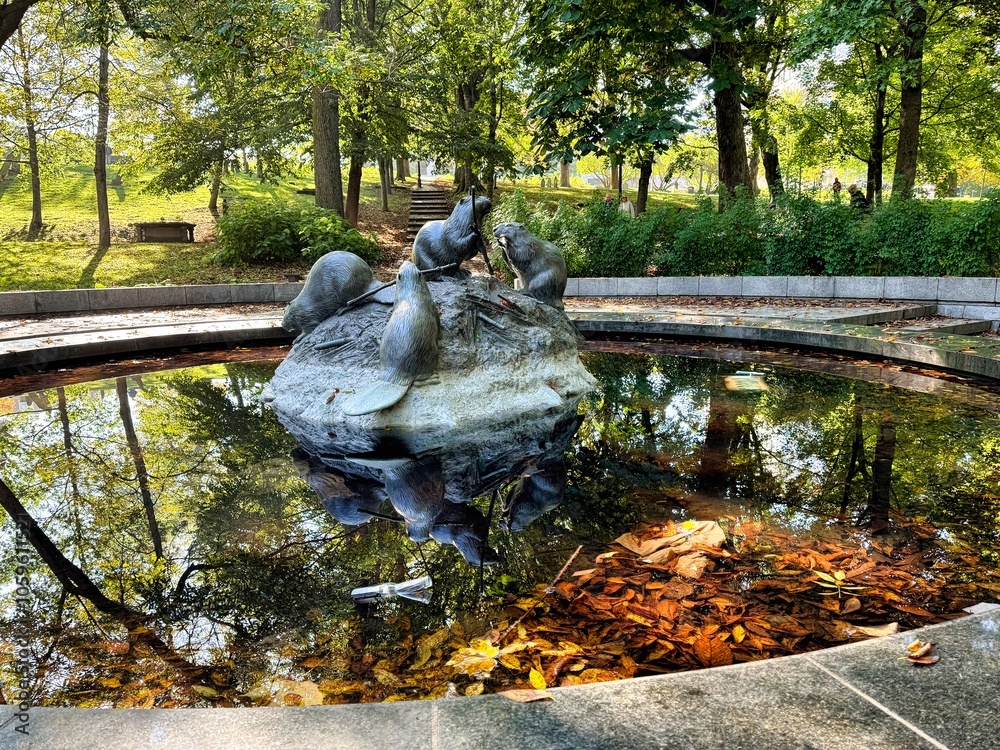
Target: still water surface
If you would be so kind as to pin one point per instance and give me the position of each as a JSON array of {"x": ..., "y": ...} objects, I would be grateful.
[{"x": 179, "y": 508}]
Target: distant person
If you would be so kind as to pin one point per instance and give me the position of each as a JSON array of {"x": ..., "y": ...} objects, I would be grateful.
[
  {"x": 627, "y": 206},
  {"x": 858, "y": 200},
  {"x": 837, "y": 187}
]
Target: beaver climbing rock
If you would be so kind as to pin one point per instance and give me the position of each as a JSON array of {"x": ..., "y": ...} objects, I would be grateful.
[
  {"x": 538, "y": 264},
  {"x": 454, "y": 240},
  {"x": 333, "y": 280},
  {"x": 409, "y": 350}
]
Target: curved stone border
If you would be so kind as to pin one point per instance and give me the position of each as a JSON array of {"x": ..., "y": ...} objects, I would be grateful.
[
  {"x": 127, "y": 298},
  {"x": 849, "y": 697},
  {"x": 981, "y": 293},
  {"x": 964, "y": 290},
  {"x": 968, "y": 354}
]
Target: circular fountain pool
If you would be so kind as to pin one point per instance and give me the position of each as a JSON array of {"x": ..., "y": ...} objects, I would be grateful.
[{"x": 189, "y": 551}]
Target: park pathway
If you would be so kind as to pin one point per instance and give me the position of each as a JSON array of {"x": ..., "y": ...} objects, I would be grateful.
[{"x": 426, "y": 204}]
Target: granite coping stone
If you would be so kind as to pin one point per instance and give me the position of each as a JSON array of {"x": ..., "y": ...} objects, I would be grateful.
[
  {"x": 945, "y": 290},
  {"x": 976, "y": 355},
  {"x": 850, "y": 697}
]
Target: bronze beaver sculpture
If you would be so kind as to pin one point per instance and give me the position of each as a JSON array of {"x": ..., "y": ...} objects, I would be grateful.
[
  {"x": 453, "y": 240},
  {"x": 333, "y": 280},
  {"x": 539, "y": 265},
  {"x": 409, "y": 350}
]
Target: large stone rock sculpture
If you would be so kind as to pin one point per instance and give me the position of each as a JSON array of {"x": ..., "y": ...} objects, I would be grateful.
[
  {"x": 465, "y": 384},
  {"x": 503, "y": 357}
]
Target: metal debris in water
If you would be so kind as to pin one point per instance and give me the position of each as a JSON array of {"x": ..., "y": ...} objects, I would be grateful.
[{"x": 417, "y": 589}]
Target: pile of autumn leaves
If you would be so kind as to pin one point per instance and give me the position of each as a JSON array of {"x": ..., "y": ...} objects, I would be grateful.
[{"x": 676, "y": 597}]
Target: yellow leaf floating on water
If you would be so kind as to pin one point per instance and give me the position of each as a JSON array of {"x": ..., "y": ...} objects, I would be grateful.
[
  {"x": 537, "y": 680},
  {"x": 423, "y": 655}
]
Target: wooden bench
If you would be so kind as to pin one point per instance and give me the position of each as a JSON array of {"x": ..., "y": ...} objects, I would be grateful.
[{"x": 165, "y": 231}]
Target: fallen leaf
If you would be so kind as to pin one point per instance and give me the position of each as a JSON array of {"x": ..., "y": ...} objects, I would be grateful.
[
  {"x": 537, "y": 679},
  {"x": 476, "y": 688},
  {"x": 523, "y": 695},
  {"x": 851, "y": 605},
  {"x": 875, "y": 631}
]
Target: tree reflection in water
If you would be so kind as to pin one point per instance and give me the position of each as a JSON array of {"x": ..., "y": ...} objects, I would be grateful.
[{"x": 189, "y": 548}]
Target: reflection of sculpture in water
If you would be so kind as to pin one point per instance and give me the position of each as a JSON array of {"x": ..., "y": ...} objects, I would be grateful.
[
  {"x": 534, "y": 495},
  {"x": 351, "y": 500},
  {"x": 432, "y": 492}
]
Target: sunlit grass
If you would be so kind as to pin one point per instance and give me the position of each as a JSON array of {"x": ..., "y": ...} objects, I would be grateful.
[{"x": 66, "y": 255}]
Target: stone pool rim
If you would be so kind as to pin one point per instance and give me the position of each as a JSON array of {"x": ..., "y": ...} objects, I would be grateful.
[{"x": 953, "y": 352}]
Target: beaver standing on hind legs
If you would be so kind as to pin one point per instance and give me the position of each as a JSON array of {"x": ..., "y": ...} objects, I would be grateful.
[
  {"x": 453, "y": 240},
  {"x": 538, "y": 264}
]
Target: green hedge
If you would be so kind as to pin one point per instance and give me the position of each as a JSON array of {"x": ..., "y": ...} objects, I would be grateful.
[
  {"x": 798, "y": 235},
  {"x": 273, "y": 231}
]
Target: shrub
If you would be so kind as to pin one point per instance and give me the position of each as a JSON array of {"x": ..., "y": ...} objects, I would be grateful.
[
  {"x": 275, "y": 232},
  {"x": 730, "y": 244},
  {"x": 805, "y": 237}
]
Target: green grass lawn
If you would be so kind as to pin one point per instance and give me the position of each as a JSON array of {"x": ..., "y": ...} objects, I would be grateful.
[
  {"x": 575, "y": 195},
  {"x": 66, "y": 256}
]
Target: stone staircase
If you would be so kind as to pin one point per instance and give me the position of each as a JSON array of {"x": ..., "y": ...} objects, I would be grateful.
[{"x": 426, "y": 204}]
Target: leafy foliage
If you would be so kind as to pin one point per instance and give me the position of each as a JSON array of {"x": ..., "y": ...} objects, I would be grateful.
[{"x": 271, "y": 231}]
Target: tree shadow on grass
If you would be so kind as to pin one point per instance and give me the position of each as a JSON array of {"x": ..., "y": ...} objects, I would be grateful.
[{"x": 87, "y": 277}]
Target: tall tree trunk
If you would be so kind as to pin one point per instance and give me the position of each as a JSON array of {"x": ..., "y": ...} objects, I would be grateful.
[
  {"x": 213, "y": 197},
  {"x": 767, "y": 145},
  {"x": 76, "y": 582},
  {"x": 496, "y": 112},
  {"x": 564, "y": 174},
  {"x": 876, "y": 146},
  {"x": 913, "y": 23},
  {"x": 753, "y": 167},
  {"x": 354, "y": 187},
  {"x": 259, "y": 166},
  {"x": 326, "y": 127},
  {"x": 733, "y": 169},
  {"x": 385, "y": 181},
  {"x": 100, "y": 152},
  {"x": 400, "y": 170},
  {"x": 645, "y": 172},
  {"x": 35, "y": 227},
  {"x": 125, "y": 410},
  {"x": 406, "y": 167},
  {"x": 616, "y": 174}
]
